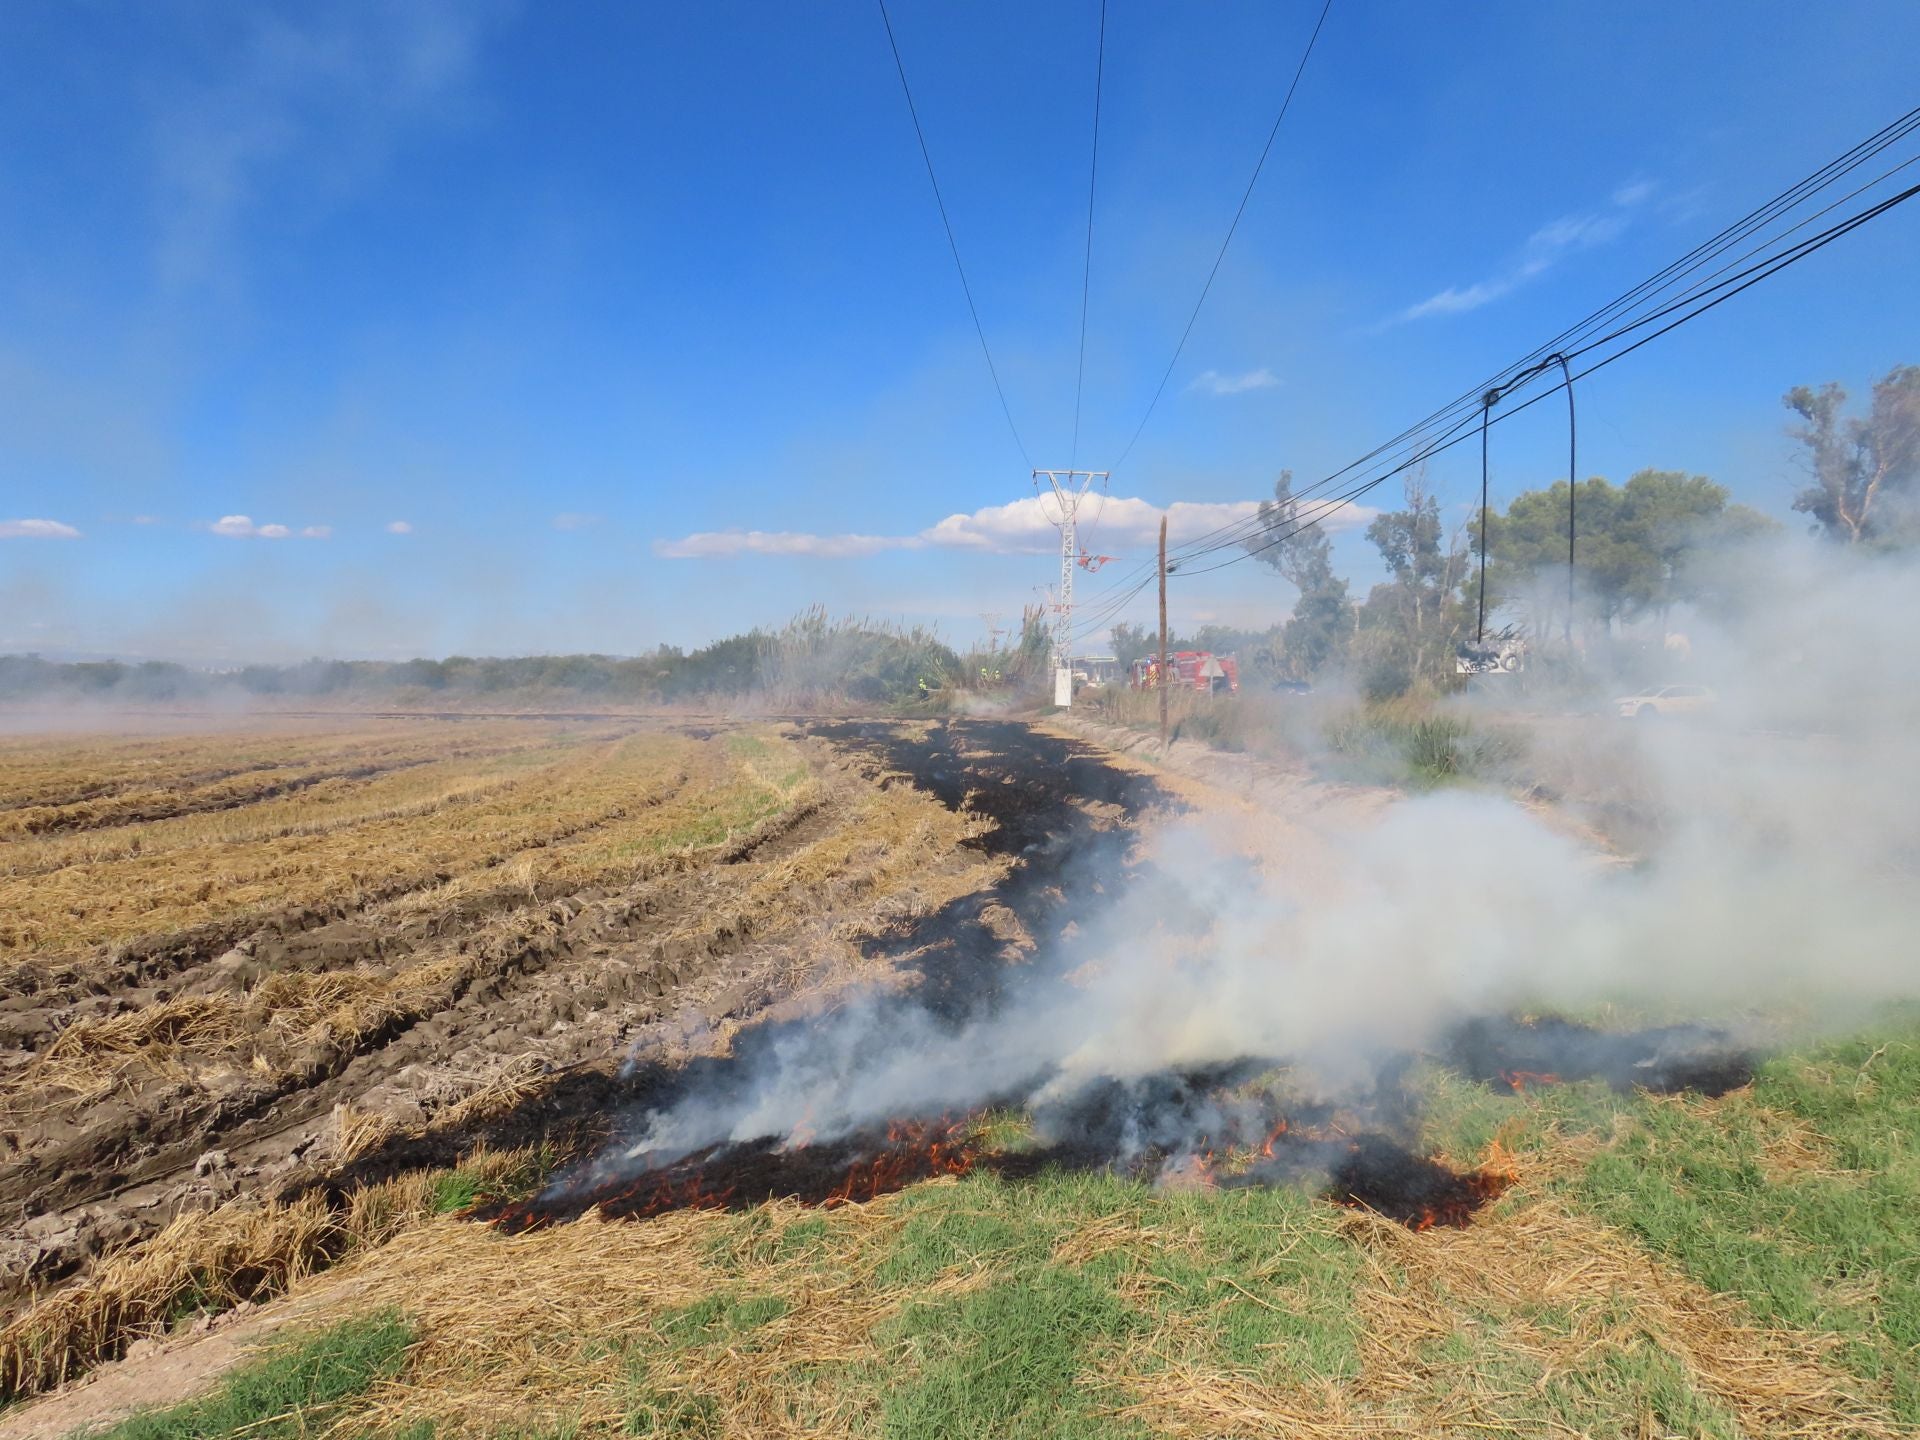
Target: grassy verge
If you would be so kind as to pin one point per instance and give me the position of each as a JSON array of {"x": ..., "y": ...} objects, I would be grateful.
[
  {"x": 1732, "y": 1267},
  {"x": 1798, "y": 1197},
  {"x": 298, "y": 1390},
  {"x": 1802, "y": 1199},
  {"x": 1407, "y": 742}
]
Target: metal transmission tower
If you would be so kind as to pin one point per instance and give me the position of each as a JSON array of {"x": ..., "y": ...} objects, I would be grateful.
[{"x": 1070, "y": 487}]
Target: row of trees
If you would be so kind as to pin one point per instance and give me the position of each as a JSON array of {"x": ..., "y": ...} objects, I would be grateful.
[
  {"x": 1645, "y": 548},
  {"x": 1641, "y": 546},
  {"x": 812, "y": 658}
]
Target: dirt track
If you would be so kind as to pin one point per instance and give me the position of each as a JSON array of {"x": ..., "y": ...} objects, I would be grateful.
[{"x": 562, "y": 1010}]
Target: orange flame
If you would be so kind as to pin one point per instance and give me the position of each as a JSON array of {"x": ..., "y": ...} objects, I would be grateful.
[{"x": 1266, "y": 1150}]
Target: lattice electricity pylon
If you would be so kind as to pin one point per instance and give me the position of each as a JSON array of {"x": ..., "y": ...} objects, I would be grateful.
[{"x": 1070, "y": 487}]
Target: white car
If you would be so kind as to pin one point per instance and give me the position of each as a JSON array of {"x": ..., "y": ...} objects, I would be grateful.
[{"x": 1662, "y": 700}]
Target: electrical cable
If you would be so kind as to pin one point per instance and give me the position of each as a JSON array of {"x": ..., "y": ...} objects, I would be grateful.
[
  {"x": 1107, "y": 613},
  {"x": 1696, "y": 259},
  {"x": 1486, "y": 409},
  {"x": 1092, "y": 617},
  {"x": 1573, "y": 487},
  {"x": 1086, "y": 273},
  {"x": 1234, "y": 225},
  {"x": 952, "y": 244},
  {"x": 1747, "y": 279}
]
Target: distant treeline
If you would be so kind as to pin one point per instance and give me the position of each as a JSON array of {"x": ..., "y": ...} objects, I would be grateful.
[
  {"x": 811, "y": 659},
  {"x": 24, "y": 676}
]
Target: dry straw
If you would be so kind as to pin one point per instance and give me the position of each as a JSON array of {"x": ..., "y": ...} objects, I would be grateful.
[
  {"x": 214, "y": 1260},
  {"x": 211, "y": 1261},
  {"x": 1495, "y": 1277},
  {"x": 538, "y": 1330}
]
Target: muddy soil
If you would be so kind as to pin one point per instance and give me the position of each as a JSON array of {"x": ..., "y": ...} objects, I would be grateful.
[{"x": 591, "y": 1003}]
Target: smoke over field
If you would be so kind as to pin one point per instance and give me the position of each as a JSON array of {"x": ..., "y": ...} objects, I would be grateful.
[{"x": 1782, "y": 885}]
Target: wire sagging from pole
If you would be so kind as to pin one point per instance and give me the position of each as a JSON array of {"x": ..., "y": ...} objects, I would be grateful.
[
  {"x": 1486, "y": 409},
  {"x": 1252, "y": 180},
  {"x": 1573, "y": 489},
  {"x": 1086, "y": 273},
  {"x": 952, "y": 244}
]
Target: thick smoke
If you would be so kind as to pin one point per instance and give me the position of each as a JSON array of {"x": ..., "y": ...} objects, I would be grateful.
[{"x": 1782, "y": 882}]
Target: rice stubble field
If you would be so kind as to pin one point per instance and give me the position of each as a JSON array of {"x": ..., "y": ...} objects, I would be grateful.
[{"x": 364, "y": 983}]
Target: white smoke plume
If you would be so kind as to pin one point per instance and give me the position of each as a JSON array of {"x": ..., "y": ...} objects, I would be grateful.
[{"x": 1783, "y": 882}]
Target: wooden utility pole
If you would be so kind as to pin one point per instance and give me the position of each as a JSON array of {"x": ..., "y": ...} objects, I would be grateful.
[{"x": 1163, "y": 635}]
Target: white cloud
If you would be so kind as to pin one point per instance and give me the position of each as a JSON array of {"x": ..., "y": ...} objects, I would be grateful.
[
  {"x": 240, "y": 527},
  {"x": 1454, "y": 302},
  {"x": 574, "y": 520},
  {"x": 1215, "y": 383},
  {"x": 708, "y": 544},
  {"x": 37, "y": 530},
  {"x": 1543, "y": 249},
  {"x": 316, "y": 532},
  {"x": 399, "y": 527},
  {"x": 1028, "y": 526}
]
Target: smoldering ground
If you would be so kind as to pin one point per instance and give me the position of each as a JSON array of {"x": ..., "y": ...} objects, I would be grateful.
[{"x": 1783, "y": 883}]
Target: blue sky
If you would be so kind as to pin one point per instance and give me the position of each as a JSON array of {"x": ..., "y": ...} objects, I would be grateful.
[{"x": 483, "y": 328}]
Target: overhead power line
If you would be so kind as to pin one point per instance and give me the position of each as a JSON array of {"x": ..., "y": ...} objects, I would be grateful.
[
  {"x": 1668, "y": 292},
  {"x": 952, "y": 244},
  {"x": 1734, "y": 285},
  {"x": 1111, "y": 611},
  {"x": 1646, "y": 293},
  {"x": 1086, "y": 273},
  {"x": 1699, "y": 297},
  {"x": 1232, "y": 226}
]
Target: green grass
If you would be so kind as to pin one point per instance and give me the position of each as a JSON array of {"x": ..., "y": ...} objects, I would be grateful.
[
  {"x": 1405, "y": 743},
  {"x": 294, "y": 1391},
  {"x": 1019, "y": 1307},
  {"x": 1251, "y": 1280},
  {"x": 1836, "y": 1252},
  {"x": 1006, "y": 1360},
  {"x": 465, "y": 1186},
  {"x": 1833, "y": 1249},
  {"x": 680, "y": 1416},
  {"x": 1006, "y": 1314},
  {"x": 1263, "y": 1283},
  {"x": 720, "y": 1318},
  {"x": 1605, "y": 1391},
  {"x": 727, "y": 815}
]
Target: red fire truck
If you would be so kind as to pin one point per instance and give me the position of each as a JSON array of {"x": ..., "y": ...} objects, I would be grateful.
[{"x": 1200, "y": 670}]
